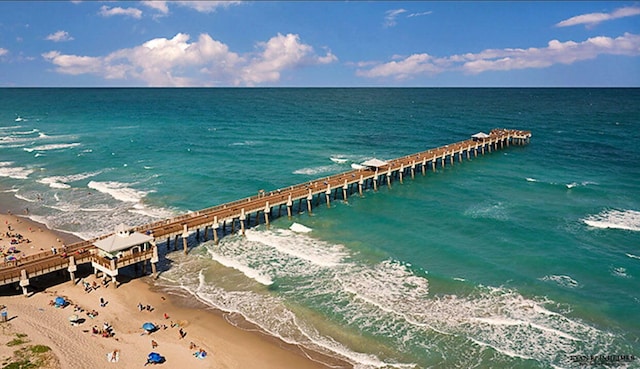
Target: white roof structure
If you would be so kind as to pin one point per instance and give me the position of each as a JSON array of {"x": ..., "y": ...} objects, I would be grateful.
[
  {"x": 122, "y": 240},
  {"x": 376, "y": 163},
  {"x": 480, "y": 135}
]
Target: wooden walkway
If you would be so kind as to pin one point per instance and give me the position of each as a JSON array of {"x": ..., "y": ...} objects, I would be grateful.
[{"x": 237, "y": 215}]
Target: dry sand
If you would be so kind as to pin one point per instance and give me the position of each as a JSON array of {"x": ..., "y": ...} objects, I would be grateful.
[{"x": 76, "y": 346}]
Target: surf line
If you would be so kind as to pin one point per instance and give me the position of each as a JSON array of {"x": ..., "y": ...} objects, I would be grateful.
[{"x": 237, "y": 215}]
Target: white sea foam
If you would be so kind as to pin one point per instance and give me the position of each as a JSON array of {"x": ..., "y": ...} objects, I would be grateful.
[
  {"x": 620, "y": 272},
  {"x": 62, "y": 181},
  {"x": 317, "y": 170},
  {"x": 286, "y": 243},
  {"x": 581, "y": 184},
  {"x": 271, "y": 314},
  {"x": 531, "y": 179},
  {"x": 338, "y": 159},
  {"x": 615, "y": 219},
  {"x": 244, "y": 269},
  {"x": 388, "y": 299},
  {"x": 119, "y": 191},
  {"x": 562, "y": 280},
  {"x": 244, "y": 143},
  {"x": 497, "y": 211},
  {"x": 26, "y": 132},
  {"x": 633, "y": 256},
  {"x": 297, "y": 227},
  {"x": 49, "y": 147},
  {"x": 7, "y": 170}
]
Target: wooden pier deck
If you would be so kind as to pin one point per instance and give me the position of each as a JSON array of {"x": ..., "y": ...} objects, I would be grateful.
[{"x": 237, "y": 215}]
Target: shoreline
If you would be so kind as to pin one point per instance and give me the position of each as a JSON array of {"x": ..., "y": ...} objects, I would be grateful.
[{"x": 229, "y": 346}]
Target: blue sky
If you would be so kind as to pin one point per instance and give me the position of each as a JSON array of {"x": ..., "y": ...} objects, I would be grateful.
[{"x": 319, "y": 43}]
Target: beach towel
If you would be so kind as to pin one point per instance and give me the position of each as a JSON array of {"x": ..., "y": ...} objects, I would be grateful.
[{"x": 113, "y": 357}]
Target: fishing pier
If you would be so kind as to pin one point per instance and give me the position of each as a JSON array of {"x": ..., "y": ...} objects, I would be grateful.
[{"x": 237, "y": 216}]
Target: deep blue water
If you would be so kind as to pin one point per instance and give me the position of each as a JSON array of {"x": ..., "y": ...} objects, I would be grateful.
[{"x": 518, "y": 258}]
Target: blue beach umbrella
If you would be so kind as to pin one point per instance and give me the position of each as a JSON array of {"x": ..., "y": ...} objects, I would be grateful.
[
  {"x": 149, "y": 327},
  {"x": 155, "y": 358},
  {"x": 60, "y": 301}
]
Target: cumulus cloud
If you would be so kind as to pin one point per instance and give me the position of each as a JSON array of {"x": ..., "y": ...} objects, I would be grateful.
[
  {"x": 3, "y": 51},
  {"x": 206, "y": 6},
  {"x": 59, "y": 36},
  {"x": 281, "y": 52},
  {"x": 593, "y": 19},
  {"x": 556, "y": 52},
  {"x": 200, "y": 6},
  {"x": 106, "y": 11},
  {"x": 160, "y": 6},
  {"x": 204, "y": 62},
  {"x": 391, "y": 15}
]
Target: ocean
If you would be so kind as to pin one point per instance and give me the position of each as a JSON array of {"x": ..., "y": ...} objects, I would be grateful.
[{"x": 527, "y": 257}]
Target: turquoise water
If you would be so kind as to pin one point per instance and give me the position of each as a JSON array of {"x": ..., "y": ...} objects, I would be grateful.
[{"x": 524, "y": 257}]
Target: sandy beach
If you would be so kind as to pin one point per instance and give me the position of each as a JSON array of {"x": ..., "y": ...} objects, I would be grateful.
[{"x": 84, "y": 345}]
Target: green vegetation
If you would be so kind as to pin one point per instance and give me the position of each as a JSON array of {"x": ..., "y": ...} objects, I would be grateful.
[
  {"x": 39, "y": 349},
  {"x": 22, "y": 364},
  {"x": 28, "y": 356}
]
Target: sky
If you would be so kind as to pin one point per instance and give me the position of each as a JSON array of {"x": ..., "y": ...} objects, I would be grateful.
[{"x": 319, "y": 44}]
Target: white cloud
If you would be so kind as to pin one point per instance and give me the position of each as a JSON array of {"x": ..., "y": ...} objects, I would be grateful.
[
  {"x": 391, "y": 15},
  {"x": 412, "y": 15},
  {"x": 280, "y": 53},
  {"x": 73, "y": 64},
  {"x": 105, "y": 11},
  {"x": 3, "y": 51},
  {"x": 556, "y": 52},
  {"x": 204, "y": 62},
  {"x": 593, "y": 19},
  {"x": 160, "y": 6},
  {"x": 59, "y": 36},
  {"x": 206, "y": 6}
]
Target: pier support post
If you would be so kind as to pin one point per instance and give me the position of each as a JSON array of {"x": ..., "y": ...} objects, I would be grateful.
[
  {"x": 215, "y": 227},
  {"x": 168, "y": 243},
  {"x": 175, "y": 243},
  {"x": 309, "y": 199},
  {"x": 185, "y": 235},
  {"x": 375, "y": 182},
  {"x": 360, "y": 184},
  {"x": 327, "y": 194},
  {"x": 154, "y": 260},
  {"x": 242, "y": 219},
  {"x": 267, "y": 211},
  {"x": 289, "y": 206},
  {"x": 24, "y": 282},
  {"x": 401, "y": 173},
  {"x": 389, "y": 177},
  {"x": 424, "y": 166},
  {"x": 413, "y": 170},
  {"x": 72, "y": 268},
  {"x": 206, "y": 233},
  {"x": 345, "y": 187}
]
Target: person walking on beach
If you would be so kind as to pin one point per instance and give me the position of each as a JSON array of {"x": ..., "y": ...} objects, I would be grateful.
[{"x": 154, "y": 344}]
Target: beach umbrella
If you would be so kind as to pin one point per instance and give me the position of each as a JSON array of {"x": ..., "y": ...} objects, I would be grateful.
[
  {"x": 73, "y": 318},
  {"x": 155, "y": 358},
  {"x": 60, "y": 301},
  {"x": 11, "y": 258},
  {"x": 149, "y": 327}
]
